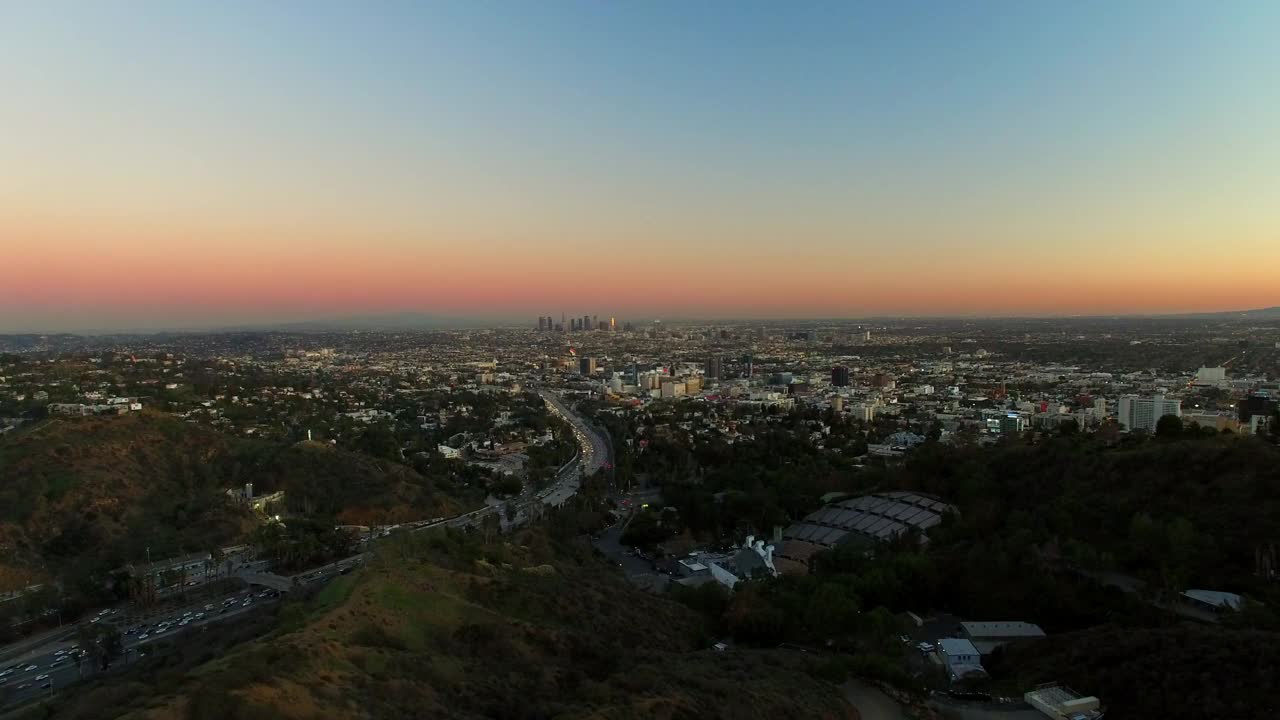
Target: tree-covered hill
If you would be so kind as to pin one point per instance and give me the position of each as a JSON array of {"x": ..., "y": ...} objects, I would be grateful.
[{"x": 80, "y": 497}]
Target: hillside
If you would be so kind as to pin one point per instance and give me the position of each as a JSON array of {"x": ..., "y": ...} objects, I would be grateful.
[
  {"x": 82, "y": 496},
  {"x": 1195, "y": 510},
  {"x": 442, "y": 626},
  {"x": 352, "y": 488},
  {"x": 1174, "y": 673}
]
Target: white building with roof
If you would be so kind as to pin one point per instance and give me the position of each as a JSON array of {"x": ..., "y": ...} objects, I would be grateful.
[
  {"x": 1142, "y": 413},
  {"x": 961, "y": 658},
  {"x": 1215, "y": 600},
  {"x": 1060, "y": 702},
  {"x": 987, "y": 636}
]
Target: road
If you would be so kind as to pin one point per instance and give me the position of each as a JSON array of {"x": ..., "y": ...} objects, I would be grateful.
[
  {"x": 871, "y": 702},
  {"x": 54, "y": 667},
  {"x": 53, "y": 659},
  {"x": 138, "y": 631}
]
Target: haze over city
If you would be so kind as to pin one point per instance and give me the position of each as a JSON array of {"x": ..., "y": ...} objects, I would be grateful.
[{"x": 197, "y": 165}]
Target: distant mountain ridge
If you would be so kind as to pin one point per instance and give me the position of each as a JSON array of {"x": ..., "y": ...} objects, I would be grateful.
[{"x": 1269, "y": 313}]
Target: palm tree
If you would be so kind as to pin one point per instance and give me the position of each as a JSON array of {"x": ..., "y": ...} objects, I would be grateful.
[{"x": 214, "y": 561}]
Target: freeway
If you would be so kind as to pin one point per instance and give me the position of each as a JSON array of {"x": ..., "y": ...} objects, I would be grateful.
[
  {"x": 592, "y": 455},
  {"x": 52, "y": 666},
  {"x": 55, "y": 666}
]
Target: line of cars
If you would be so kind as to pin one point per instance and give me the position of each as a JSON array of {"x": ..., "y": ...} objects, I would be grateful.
[
  {"x": 146, "y": 631},
  {"x": 61, "y": 656}
]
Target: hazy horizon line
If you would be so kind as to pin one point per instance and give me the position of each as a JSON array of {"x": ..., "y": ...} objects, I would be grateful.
[{"x": 421, "y": 320}]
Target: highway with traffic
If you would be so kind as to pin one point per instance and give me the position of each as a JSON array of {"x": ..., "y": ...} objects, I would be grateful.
[{"x": 33, "y": 672}]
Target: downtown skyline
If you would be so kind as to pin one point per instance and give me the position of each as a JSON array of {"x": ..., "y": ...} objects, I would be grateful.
[{"x": 184, "y": 166}]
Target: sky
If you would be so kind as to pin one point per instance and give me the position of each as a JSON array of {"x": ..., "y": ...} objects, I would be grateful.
[{"x": 193, "y": 164}]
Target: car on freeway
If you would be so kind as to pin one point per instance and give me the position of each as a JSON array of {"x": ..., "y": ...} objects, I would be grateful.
[
  {"x": 6, "y": 673},
  {"x": 208, "y": 607},
  {"x": 29, "y": 668},
  {"x": 41, "y": 677},
  {"x": 143, "y": 636},
  {"x": 24, "y": 686},
  {"x": 46, "y": 686}
]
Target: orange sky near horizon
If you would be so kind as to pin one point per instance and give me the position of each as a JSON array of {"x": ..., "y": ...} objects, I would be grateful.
[{"x": 109, "y": 274}]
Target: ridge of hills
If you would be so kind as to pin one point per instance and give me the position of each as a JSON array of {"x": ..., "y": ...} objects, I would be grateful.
[
  {"x": 442, "y": 624},
  {"x": 82, "y": 496}
]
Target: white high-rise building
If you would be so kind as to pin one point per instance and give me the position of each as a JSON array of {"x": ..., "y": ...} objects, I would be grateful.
[
  {"x": 1211, "y": 376},
  {"x": 1142, "y": 413}
]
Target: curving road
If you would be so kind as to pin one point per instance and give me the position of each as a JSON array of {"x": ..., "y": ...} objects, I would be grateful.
[{"x": 18, "y": 685}]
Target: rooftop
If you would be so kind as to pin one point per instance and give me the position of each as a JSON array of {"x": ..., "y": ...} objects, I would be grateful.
[
  {"x": 881, "y": 516},
  {"x": 956, "y": 646},
  {"x": 1215, "y": 598},
  {"x": 1002, "y": 629}
]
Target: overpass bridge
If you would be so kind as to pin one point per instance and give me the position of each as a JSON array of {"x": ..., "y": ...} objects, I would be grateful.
[{"x": 265, "y": 579}]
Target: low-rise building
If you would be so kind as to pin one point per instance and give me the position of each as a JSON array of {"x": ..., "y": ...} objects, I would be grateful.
[
  {"x": 1060, "y": 702},
  {"x": 987, "y": 636}
]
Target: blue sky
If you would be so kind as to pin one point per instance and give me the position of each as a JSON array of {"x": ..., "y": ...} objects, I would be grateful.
[{"x": 997, "y": 135}]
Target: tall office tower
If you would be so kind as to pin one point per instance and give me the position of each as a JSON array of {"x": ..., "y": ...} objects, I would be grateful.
[
  {"x": 715, "y": 367},
  {"x": 542, "y": 323},
  {"x": 587, "y": 366},
  {"x": 840, "y": 376},
  {"x": 613, "y": 324},
  {"x": 586, "y": 322},
  {"x": 1142, "y": 413},
  {"x": 750, "y": 366},
  {"x": 595, "y": 323}
]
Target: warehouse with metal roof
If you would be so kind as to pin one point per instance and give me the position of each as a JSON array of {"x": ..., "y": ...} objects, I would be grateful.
[{"x": 876, "y": 518}]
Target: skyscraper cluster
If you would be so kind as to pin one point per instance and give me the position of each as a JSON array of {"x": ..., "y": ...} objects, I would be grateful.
[{"x": 578, "y": 324}]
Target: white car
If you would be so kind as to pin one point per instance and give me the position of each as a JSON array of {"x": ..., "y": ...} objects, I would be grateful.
[
  {"x": 41, "y": 677},
  {"x": 143, "y": 636},
  {"x": 6, "y": 673},
  {"x": 29, "y": 668}
]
